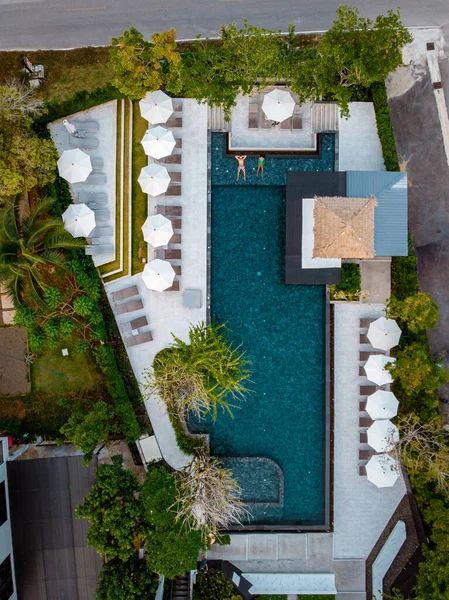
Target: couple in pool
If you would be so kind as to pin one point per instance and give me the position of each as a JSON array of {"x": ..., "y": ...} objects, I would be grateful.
[{"x": 241, "y": 166}]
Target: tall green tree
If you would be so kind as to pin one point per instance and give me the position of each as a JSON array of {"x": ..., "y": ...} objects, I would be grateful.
[
  {"x": 418, "y": 311},
  {"x": 26, "y": 161},
  {"x": 416, "y": 372},
  {"x": 112, "y": 510},
  {"x": 30, "y": 246},
  {"x": 132, "y": 579},
  {"x": 172, "y": 548},
  {"x": 141, "y": 66},
  {"x": 358, "y": 52}
]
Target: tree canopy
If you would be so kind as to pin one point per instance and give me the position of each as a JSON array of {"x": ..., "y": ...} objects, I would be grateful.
[
  {"x": 416, "y": 371},
  {"x": 418, "y": 311},
  {"x": 132, "y": 579}
]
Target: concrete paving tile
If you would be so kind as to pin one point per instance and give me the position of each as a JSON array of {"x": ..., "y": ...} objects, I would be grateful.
[
  {"x": 262, "y": 546},
  {"x": 292, "y": 546}
]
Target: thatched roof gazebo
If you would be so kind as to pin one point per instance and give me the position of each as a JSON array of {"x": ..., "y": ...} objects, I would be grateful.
[{"x": 344, "y": 227}]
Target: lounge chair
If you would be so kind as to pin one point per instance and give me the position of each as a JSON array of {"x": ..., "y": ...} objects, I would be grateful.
[
  {"x": 177, "y": 269},
  {"x": 96, "y": 205},
  {"x": 175, "y": 176},
  {"x": 128, "y": 292},
  {"x": 287, "y": 124},
  {"x": 178, "y": 143},
  {"x": 87, "y": 126},
  {"x": 364, "y": 339},
  {"x": 102, "y": 232},
  {"x": 175, "y": 238},
  {"x": 366, "y": 454},
  {"x": 173, "y": 122},
  {"x": 297, "y": 118},
  {"x": 97, "y": 162},
  {"x": 139, "y": 322},
  {"x": 131, "y": 306},
  {"x": 367, "y": 390},
  {"x": 177, "y": 106},
  {"x": 141, "y": 338},
  {"x": 176, "y": 224},
  {"x": 98, "y": 197},
  {"x": 364, "y": 355},
  {"x": 365, "y": 422},
  {"x": 169, "y": 211},
  {"x": 266, "y": 124},
  {"x": 363, "y": 437},
  {"x": 96, "y": 179},
  {"x": 362, "y": 372},
  {"x": 362, "y": 406},
  {"x": 253, "y": 115},
  {"x": 365, "y": 323},
  {"x": 174, "y": 287},
  {"x": 93, "y": 250},
  {"x": 87, "y": 142},
  {"x": 169, "y": 254},
  {"x": 362, "y": 471},
  {"x": 173, "y": 190},
  {"x": 173, "y": 159},
  {"x": 102, "y": 215}
]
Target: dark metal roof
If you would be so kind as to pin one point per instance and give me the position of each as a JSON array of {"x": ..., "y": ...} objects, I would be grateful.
[
  {"x": 300, "y": 185},
  {"x": 52, "y": 561},
  {"x": 390, "y": 215}
]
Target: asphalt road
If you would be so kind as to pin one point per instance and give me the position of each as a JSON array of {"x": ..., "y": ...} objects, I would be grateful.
[{"x": 43, "y": 24}]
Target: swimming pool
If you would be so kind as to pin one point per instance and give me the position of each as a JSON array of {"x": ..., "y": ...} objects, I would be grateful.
[{"x": 275, "y": 444}]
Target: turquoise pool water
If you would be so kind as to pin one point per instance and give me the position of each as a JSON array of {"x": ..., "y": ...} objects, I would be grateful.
[{"x": 282, "y": 330}]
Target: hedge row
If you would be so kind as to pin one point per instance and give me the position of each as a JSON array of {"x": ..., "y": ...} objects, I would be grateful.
[{"x": 384, "y": 127}]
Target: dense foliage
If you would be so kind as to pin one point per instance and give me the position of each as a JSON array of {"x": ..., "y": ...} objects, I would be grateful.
[
  {"x": 378, "y": 95},
  {"x": 418, "y": 311},
  {"x": 350, "y": 285},
  {"x": 132, "y": 579},
  {"x": 112, "y": 510},
  {"x": 172, "y": 548},
  {"x": 213, "y": 585}
]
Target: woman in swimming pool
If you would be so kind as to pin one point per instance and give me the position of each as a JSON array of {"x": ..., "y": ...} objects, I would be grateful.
[{"x": 260, "y": 165}]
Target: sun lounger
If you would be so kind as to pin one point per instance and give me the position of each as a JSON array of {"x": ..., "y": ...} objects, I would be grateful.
[
  {"x": 170, "y": 254},
  {"x": 173, "y": 190},
  {"x": 102, "y": 232},
  {"x": 176, "y": 224},
  {"x": 363, "y": 437},
  {"x": 97, "y": 162},
  {"x": 173, "y": 122},
  {"x": 93, "y": 250},
  {"x": 362, "y": 471},
  {"x": 365, "y": 323},
  {"x": 177, "y": 269},
  {"x": 177, "y": 106},
  {"x": 367, "y": 390},
  {"x": 139, "y": 322},
  {"x": 364, "y": 339},
  {"x": 175, "y": 176},
  {"x": 87, "y": 142},
  {"x": 178, "y": 143},
  {"x": 128, "y": 292},
  {"x": 364, "y": 355},
  {"x": 362, "y": 405},
  {"x": 175, "y": 238},
  {"x": 96, "y": 205},
  {"x": 141, "y": 338},
  {"x": 88, "y": 126},
  {"x": 362, "y": 372},
  {"x": 102, "y": 215},
  {"x": 365, "y": 454},
  {"x": 297, "y": 118},
  {"x": 173, "y": 288},
  {"x": 365, "y": 422},
  {"x": 98, "y": 197},
  {"x": 287, "y": 124},
  {"x": 169, "y": 211},
  {"x": 97, "y": 241},
  {"x": 96, "y": 179},
  {"x": 253, "y": 115},
  {"x": 265, "y": 124},
  {"x": 173, "y": 159},
  {"x": 131, "y": 306}
]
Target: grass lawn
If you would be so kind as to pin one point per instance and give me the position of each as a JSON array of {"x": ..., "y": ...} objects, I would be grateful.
[
  {"x": 66, "y": 71},
  {"x": 53, "y": 373},
  {"x": 139, "y": 199}
]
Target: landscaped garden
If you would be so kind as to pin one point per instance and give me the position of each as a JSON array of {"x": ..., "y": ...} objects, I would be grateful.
[{"x": 91, "y": 395}]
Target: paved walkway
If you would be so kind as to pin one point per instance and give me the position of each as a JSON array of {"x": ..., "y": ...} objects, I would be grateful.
[
  {"x": 419, "y": 140},
  {"x": 359, "y": 147}
]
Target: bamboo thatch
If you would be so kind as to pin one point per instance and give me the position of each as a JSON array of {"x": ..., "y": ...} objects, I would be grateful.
[{"x": 344, "y": 227}]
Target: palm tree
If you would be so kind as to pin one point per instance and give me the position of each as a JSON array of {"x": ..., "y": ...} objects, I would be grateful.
[{"x": 30, "y": 244}]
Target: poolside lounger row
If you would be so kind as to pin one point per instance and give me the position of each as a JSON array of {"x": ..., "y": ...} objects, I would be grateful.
[
  {"x": 366, "y": 454},
  {"x": 130, "y": 306},
  {"x": 86, "y": 142},
  {"x": 168, "y": 254},
  {"x": 94, "y": 250},
  {"x": 87, "y": 126},
  {"x": 169, "y": 211},
  {"x": 174, "y": 122},
  {"x": 365, "y": 323},
  {"x": 172, "y": 159},
  {"x": 96, "y": 179},
  {"x": 87, "y": 197},
  {"x": 141, "y": 338},
  {"x": 126, "y": 293},
  {"x": 364, "y": 355}
]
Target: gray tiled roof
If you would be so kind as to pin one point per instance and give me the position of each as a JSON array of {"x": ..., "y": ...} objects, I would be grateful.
[{"x": 390, "y": 216}]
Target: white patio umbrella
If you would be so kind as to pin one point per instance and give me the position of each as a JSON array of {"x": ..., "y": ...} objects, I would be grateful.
[
  {"x": 383, "y": 435},
  {"x": 375, "y": 369},
  {"x": 79, "y": 220},
  {"x": 154, "y": 179},
  {"x": 382, "y": 470},
  {"x": 278, "y": 105},
  {"x": 382, "y": 405},
  {"x": 157, "y": 230},
  {"x": 384, "y": 333},
  {"x": 158, "y": 142},
  {"x": 158, "y": 275},
  {"x": 156, "y": 107},
  {"x": 74, "y": 165}
]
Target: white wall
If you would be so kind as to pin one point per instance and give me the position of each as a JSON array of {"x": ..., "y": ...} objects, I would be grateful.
[{"x": 5, "y": 529}]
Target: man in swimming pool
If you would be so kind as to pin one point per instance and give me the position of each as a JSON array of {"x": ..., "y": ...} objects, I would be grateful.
[
  {"x": 241, "y": 166},
  {"x": 260, "y": 165}
]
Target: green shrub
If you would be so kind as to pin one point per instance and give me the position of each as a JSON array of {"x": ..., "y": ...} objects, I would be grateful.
[
  {"x": 384, "y": 127},
  {"x": 213, "y": 585},
  {"x": 126, "y": 580},
  {"x": 404, "y": 274},
  {"x": 350, "y": 283}
]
